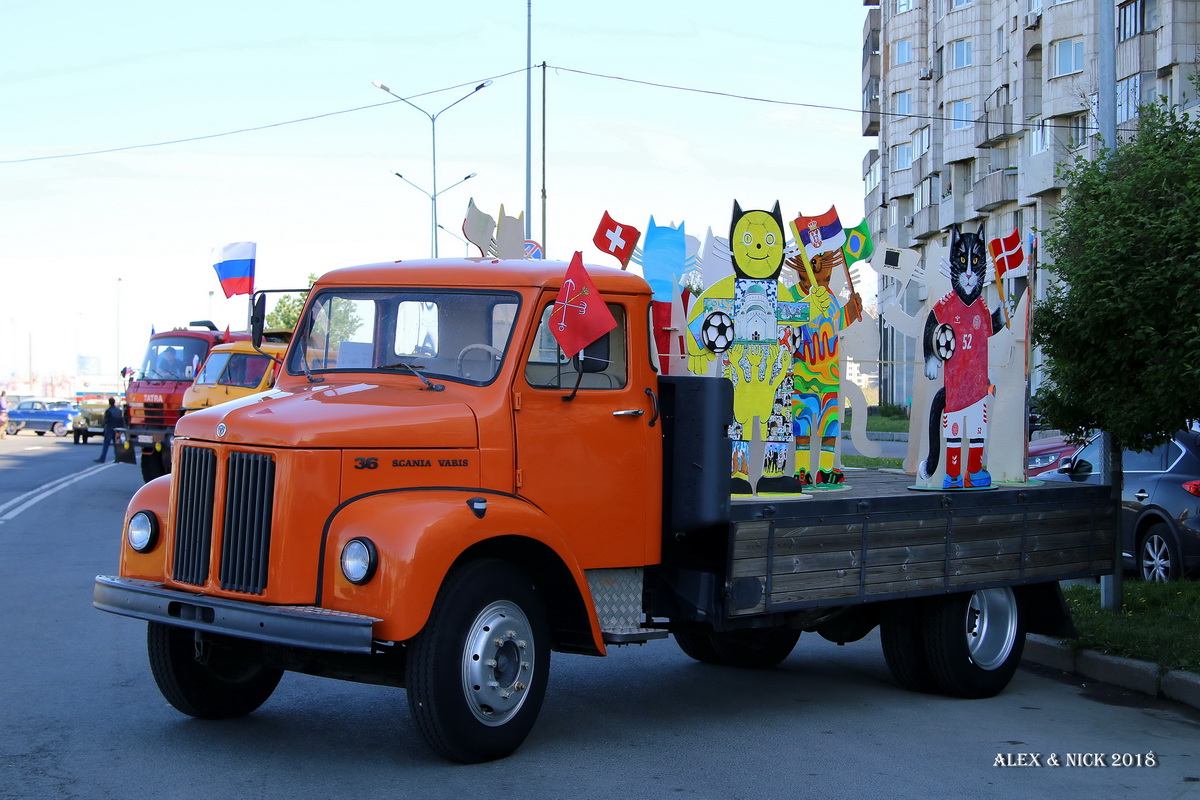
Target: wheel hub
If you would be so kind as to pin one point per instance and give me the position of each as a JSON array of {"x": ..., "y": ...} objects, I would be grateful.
[
  {"x": 1156, "y": 560},
  {"x": 991, "y": 626},
  {"x": 498, "y": 658}
]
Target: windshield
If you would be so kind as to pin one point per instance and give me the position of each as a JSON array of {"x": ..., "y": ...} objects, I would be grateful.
[
  {"x": 244, "y": 370},
  {"x": 173, "y": 358},
  {"x": 461, "y": 336}
]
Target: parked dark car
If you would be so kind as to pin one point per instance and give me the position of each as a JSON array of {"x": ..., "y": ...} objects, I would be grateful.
[
  {"x": 41, "y": 414},
  {"x": 1160, "y": 501}
]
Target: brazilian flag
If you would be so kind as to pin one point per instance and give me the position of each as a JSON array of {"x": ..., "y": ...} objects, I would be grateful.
[{"x": 858, "y": 246}]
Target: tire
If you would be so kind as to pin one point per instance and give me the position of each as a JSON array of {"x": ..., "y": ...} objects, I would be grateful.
[
  {"x": 477, "y": 673},
  {"x": 78, "y": 437},
  {"x": 760, "y": 648},
  {"x": 11, "y": 429},
  {"x": 1158, "y": 555},
  {"x": 902, "y": 635},
  {"x": 59, "y": 429},
  {"x": 152, "y": 465},
  {"x": 230, "y": 682},
  {"x": 974, "y": 640}
]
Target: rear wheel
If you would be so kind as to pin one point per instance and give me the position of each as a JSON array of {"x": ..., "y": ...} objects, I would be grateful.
[
  {"x": 217, "y": 678},
  {"x": 902, "y": 634},
  {"x": 1158, "y": 558},
  {"x": 59, "y": 429},
  {"x": 760, "y": 648},
  {"x": 477, "y": 673},
  {"x": 973, "y": 641}
]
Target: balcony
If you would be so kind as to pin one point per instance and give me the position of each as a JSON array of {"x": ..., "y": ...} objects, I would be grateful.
[
  {"x": 926, "y": 222},
  {"x": 995, "y": 126},
  {"x": 995, "y": 189}
]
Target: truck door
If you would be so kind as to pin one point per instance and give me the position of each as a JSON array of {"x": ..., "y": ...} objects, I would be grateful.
[{"x": 593, "y": 463}]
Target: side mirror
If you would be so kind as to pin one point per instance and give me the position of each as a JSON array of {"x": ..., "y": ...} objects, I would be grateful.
[{"x": 258, "y": 318}]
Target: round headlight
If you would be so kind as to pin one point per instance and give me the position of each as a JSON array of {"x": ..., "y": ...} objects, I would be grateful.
[
  {"x": 142, "y": 532},
  {"x": 359, "y": 559}
]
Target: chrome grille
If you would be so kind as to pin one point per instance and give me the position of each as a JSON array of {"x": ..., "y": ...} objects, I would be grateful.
[
  {"x": 193, "y": 514},
  {"x": 246, "y": 529},
  {"x": 246, "y": 537}
]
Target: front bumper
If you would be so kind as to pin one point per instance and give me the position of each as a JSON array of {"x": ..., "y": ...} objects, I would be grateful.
[{"x": 295, "y": 626}]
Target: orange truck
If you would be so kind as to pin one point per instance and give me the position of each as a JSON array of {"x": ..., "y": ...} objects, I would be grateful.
[{"x": 432, "y": 497}]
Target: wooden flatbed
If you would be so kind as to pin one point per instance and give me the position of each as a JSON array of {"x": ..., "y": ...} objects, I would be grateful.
[{"x": 880, "y": 539}]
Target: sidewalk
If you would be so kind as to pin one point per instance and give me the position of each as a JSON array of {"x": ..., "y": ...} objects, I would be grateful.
[{"x": 1127, "y": 673}]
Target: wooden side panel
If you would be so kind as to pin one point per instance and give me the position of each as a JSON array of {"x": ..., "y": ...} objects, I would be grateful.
[{"x": 836, "y": 560}]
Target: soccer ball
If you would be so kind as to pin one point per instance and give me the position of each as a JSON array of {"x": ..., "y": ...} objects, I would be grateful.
[
  {"x": 943, "y": 341},
  {"x": 716, "y": 332}
]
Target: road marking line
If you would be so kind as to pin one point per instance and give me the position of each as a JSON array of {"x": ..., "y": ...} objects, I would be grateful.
[{"x": 18, "y": 504}]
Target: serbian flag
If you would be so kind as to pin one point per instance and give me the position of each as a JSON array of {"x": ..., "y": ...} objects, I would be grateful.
[
  {"x": 858, "y": 245},
  {"x": 820, "y": 234},
  {"x": 1006, "y": 253},
  {"x": 616, "y": 239},
  {"x": 235, "y": 268},
  {"x": 580, "y": 316}
]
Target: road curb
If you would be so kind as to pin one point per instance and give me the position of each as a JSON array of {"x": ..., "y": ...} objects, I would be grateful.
[{"x": 1128, "y": 673}]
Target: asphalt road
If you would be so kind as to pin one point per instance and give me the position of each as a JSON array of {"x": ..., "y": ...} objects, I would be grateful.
[{"x": 80, "y": 716}]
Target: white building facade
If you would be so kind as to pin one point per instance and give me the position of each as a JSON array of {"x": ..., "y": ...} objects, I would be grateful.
[{"x": 975, "y": 103}]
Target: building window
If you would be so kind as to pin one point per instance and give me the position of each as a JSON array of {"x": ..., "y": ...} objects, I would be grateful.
[
  {"x": 870, "y": 95},
  {"x": 902, "y": 103},
  {"x": 1077, "y": 130},
  {"x": 961, "y": 54},
  {"x": 1067, "y": 57},
  {"x": 921, "y": 140},
  {"x": 872, "y": 179},
  {"x": 1001, "y": 44},
  {"x": 962, "y": 114},
  {"x": 1130, "y": 20},
  {"x": 1039, "y": 139},
  {"x": 904, "y": 52},
  {"x": 902, "y": 156},
  {"x": 957, "y": 4},
  {"x": 903, "y": 5},
  {"x": 1129, "y": 97}
]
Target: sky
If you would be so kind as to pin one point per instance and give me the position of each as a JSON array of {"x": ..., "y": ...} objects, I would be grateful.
[{"x": 116, "y": 184}]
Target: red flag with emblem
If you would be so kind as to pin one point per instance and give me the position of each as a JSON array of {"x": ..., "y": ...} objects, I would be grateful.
[
  {"x": 616, "y": 239},
  {"x": 580, "y": 315}
]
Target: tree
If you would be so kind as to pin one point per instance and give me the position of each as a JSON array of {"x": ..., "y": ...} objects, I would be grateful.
[
  {"x": 287, "y": 309},
  {"x": 1120, "y": 333}
]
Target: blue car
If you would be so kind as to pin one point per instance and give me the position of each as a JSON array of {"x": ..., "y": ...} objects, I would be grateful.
[{"x": 41, "y": 414}]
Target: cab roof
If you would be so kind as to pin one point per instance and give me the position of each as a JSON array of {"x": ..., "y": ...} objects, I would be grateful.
[{"x": 481, "y": 272}]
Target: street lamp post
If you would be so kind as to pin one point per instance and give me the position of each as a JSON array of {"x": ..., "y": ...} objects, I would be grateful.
[
  {"x": 433, "y": 196},
  {"x": 456, "y": 236}
]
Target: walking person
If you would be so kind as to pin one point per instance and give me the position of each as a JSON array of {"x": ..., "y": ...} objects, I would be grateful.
[
  {"x": 113, "y": 419},
  {"x": 3, "y": 414}
]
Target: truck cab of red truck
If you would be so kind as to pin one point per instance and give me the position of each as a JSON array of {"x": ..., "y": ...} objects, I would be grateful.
[{"x": 433, "y": 497}]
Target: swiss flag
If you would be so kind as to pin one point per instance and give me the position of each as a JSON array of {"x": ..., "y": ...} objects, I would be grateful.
[
  {"x": 580, "y": 316},
  {"x": 616, "y": 239}
]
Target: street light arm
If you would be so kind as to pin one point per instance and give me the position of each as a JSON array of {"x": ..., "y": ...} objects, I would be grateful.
[
  {"x": 483, "y": 85},
  {"x": 451, "y": 186},
  {"x": 404, "y": 100},
  {"x": 418, "y": 188}
]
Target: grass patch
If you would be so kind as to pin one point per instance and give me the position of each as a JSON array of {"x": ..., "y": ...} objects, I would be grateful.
[
  {"x": 887, "y": 424},
  {"x": 865, "y": 462},
  {"x": 1158, "y": 622}
]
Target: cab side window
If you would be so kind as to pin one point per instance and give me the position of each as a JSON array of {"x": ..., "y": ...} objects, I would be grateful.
[{"x": 602, "y": 365}]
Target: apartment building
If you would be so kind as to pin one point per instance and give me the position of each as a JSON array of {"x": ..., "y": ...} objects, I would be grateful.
[{"x": 974, "y": 103}]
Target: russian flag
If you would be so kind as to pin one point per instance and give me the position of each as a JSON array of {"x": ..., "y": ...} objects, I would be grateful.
[{"x": 235, "y": 268}]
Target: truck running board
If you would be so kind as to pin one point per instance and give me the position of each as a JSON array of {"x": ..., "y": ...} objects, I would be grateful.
[{"x": 617, "y": 597}]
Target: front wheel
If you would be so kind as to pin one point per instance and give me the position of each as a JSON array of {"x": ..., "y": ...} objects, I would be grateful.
[
  {"x": 973, "y": 641},
  {"x": 152, "y": 465},
  {"x": 1158, "y": 558},
  {"x": 211, "y": 678},
  {"x": 477, "y": 673},
  {"x": 59, "y": 429}
]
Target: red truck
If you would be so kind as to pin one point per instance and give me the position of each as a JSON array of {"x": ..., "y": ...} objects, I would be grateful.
[
  {"x": 154, "y": 395},
  {"x": 433, "y": 498}
]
